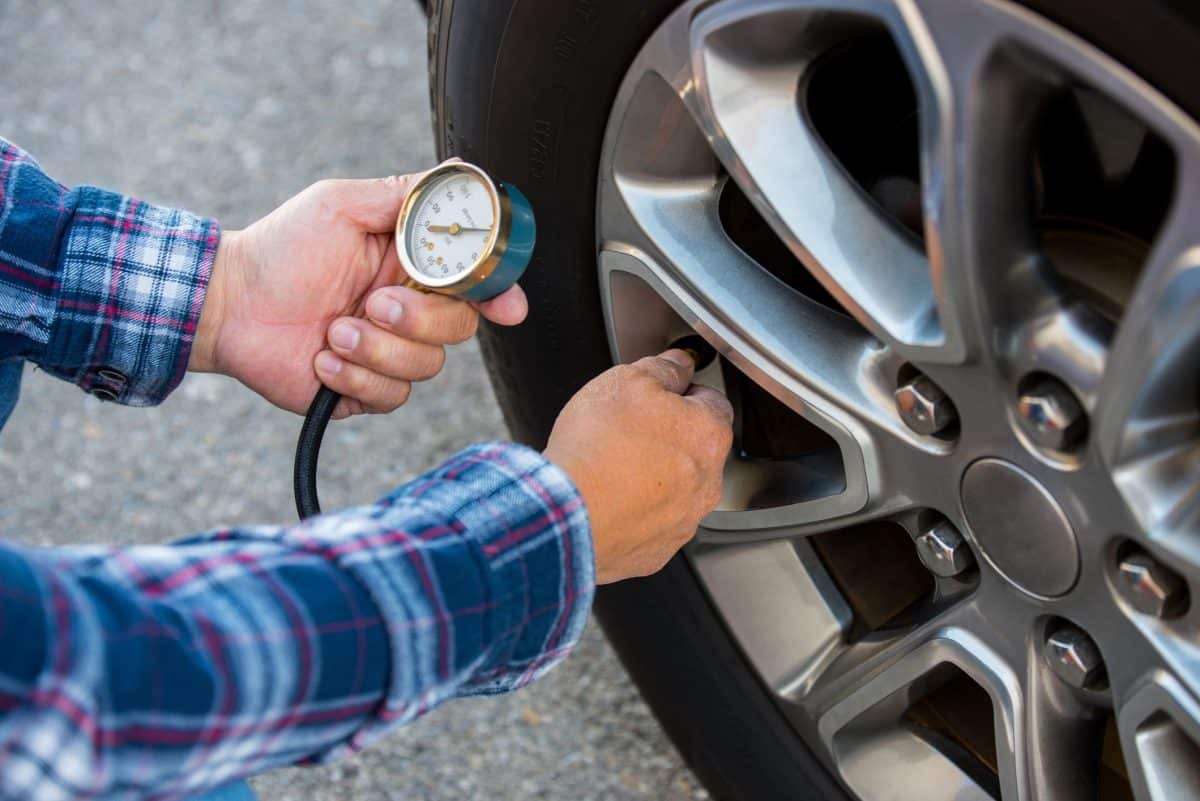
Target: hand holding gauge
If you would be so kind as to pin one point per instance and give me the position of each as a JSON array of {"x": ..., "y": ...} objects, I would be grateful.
[{"x": 459, "y": 233}]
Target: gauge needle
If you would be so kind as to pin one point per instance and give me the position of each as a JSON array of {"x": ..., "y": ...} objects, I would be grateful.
[{"x": 454, "y": 229}]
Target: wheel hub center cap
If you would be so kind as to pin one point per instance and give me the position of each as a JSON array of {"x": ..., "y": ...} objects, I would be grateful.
[{"x": 1020, "y": 527}]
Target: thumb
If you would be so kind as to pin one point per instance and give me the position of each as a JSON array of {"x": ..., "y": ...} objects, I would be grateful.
[
  {"x": 374, "y": 203},
  {"x": 371, "y": 203},
  {"x": 716, "y": 403},
  {"x": 673, "y": 369}
]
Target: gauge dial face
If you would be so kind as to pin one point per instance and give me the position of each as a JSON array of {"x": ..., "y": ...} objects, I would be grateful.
[{"x": 449, "y": 227}]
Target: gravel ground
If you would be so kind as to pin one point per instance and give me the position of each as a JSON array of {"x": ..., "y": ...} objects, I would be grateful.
[{"x": 227, "y": 108}]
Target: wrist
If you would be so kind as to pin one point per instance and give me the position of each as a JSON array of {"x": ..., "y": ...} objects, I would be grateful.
[
  {"x": 590, "y": 491},
  {"x": 203, "y": 357}
]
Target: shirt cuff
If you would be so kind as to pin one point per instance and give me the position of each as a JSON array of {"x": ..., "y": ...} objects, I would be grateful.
[
  {"x": 529, "y": 529},
  {"x": 133, "y": 280},
  {"x": 531, "y": 526}
]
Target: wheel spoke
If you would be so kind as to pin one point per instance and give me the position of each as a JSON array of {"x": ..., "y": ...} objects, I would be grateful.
[
  {"x": 1063, "y": 736},
  {"x": 1157, "y": 337},
  {"x": 1043, "y": 744},
  {"x": 1148, "y": 416},
  {"x": 870, "y": 702},
  {"x": 1159, "y": 726},
  {"x": 789, "y": 617},
  {"x": 747, "y": 70},
  {"x": 981, "y": 104}
]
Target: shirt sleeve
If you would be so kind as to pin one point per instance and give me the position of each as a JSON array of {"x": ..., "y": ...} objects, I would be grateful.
[
  {"x": 166, "y": 671},
  {"x": 98, "y": 288}
]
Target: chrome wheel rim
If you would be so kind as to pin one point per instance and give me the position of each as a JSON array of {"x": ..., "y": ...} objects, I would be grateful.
[{"x": 1066, "y": 551}]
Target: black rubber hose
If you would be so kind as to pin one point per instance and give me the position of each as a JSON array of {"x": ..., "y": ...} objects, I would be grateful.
[
  {"x": 320, "y": 411},
  {"x": 308, "y": 450}
]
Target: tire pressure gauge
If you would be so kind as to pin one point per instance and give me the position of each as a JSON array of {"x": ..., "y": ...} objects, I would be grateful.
[{"x": 459, "y": 233}]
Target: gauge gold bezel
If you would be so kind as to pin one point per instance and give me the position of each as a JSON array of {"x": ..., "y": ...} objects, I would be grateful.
[{"x": 492, "y": 253}]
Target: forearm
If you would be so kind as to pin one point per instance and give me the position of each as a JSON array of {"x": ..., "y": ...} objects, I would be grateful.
[
  {"x": 98, "y": 288},
  {"x": 176, "y": 668}
]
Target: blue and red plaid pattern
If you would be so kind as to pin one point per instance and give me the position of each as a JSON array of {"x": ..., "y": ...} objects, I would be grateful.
[
  {"x": 94, "y": 284},
  {"x": 164, "y": 672}
]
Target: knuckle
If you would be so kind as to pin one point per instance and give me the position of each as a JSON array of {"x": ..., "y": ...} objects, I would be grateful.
[
  {"x": 386, "y": 408},
  {"x": 677, "y": 372},
  {"x": 661, "y": 369},
  {"x": 697, "y": 420},
  {"x": 625, "y": 375},
  {"x": 646, "y": 366},
  {"x": 420, "y": 324},
  {"x": 716, "y": 456},
  {"x": 375, "y": 350},
  {"x": 323, "y": 187},
  {"x": 403, "y": 391},
  {"x": 719, "y": 435},
  {"x": 419, "y": 362},
  {"x": 690, "y": 469},
  {"x": 712, "y": 497},
  {"x": 356, "y": 382},
  {"x": 725, "y": 439},
  {"x": 374, "y": 389},
  {"x": 387, "y": 395},
  {"x": 647, "y": 378},
  {"x": 624, "y": 372},
  {"x": 464, "y": 323},
  {"x": 722, "y": 410},
  {"x": 435, "y": 360}
]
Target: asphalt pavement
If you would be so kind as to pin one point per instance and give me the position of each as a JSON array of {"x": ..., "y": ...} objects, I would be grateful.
[{"x": 226, "y": 108}]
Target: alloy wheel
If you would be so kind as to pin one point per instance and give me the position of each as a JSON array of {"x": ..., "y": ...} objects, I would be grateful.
[{"x": 950, "y": 257}]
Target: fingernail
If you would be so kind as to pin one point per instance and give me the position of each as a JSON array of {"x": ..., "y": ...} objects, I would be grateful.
[
  {"x": 328, "y": 363},
  {"x": 680, "y": 357},
  {"x": 384, "y": 309},
  {"x": 344, "y": 336}
]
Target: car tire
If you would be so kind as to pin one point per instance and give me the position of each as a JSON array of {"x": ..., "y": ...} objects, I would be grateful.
[{"x": 525, "y": 88}]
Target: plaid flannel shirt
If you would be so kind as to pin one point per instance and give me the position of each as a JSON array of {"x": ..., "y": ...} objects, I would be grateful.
[{"x": 162, "y": 672}]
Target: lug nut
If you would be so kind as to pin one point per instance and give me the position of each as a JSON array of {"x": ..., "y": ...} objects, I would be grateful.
[
  {"x": 1151, "y": 587},
  {"x": 1073, "y": 657},
  {"x": 944, "y": 551},
  {"x": 924, "y": 407},
  {"x": 1051, "y": 415}
]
